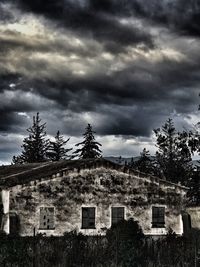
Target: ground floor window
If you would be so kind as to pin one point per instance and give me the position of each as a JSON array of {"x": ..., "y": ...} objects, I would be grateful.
[
  {"x": 117, "y": 214},
  {"x": 158, "y": 217},
  {"x": 47, "y": 218},
  {"x": 88, "y": 218}
]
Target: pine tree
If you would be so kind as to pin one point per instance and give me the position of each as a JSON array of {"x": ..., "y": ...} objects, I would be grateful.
[
  {"x": 119, "y": 160},
  {"x": 194, "y": 139},
  {"x": 144, "y": 163},
  {"x": 57, "y": 150},
  {"x": 35, "y": 145},
  {"x": 173, "y": 157},
  {"x": 194, "y": 187},
  {"x": 131, "y": 163},
  {"x": 16, "y": 160},
  {"x": 90, "y": 148}
]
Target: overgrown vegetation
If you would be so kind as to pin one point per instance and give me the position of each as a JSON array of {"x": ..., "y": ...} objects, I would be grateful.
[{"x": 123, "y": 246}]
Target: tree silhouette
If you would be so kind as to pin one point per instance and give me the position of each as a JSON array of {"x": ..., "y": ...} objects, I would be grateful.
[
  {"x": 35, "y": 145},
  {"x": 57, "y": 150},
  {"x": 90, "y": 148},
  {"x": 174, "y": 156},
  {"x": 144, "y": 163},
  {"x": 194, "y": 187}
]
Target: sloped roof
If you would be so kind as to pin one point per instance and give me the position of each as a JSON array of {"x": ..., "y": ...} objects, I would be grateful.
[{"x": 12, "y": 175}]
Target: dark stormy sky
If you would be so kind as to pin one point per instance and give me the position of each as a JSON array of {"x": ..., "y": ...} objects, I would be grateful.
[{"x": 122, "y": 65}]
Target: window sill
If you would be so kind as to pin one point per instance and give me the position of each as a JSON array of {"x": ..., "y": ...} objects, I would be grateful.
[
  {"x": 158, "y": 226},
  {"x": 46, "y": 229},
  {"x": 91, "y": 228}
]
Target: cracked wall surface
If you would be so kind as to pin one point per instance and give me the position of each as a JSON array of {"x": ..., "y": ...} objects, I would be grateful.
[{"x": 101, "y": 188}]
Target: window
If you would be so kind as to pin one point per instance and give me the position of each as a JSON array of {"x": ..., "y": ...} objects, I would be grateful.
[
  {"x": 47, "y": 218},
  {"x": 158, "y": 217},
  {"x": 14, "y": 223},
  {"x": 186, "y": 219},
  {"x": 88, "y": 218},
  {"x": 117, "y": 214}
]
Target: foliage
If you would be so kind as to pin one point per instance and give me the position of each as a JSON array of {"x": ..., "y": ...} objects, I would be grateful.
[
  {"x": 194, "y": 187},
  {"x": 17, "y": 160},
  {"x": 90, "y": 147},
  {"x": 57, "y": 150},
  {"x": 194, "y": 139},
  {"x": 119, "y": 160},
  {"x": 174, "y": 154},
  {"x": 101, "y": 251},
  {"x": 124, "y": 239},
  {"x": 35, "y": 145},
  {"x": 125, "y": 230},
  {"x": 145, "y": 163}
]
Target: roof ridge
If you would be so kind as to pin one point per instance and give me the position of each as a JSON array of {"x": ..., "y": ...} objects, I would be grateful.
[
  {"x": 61, "y": 166},
  {"x": 26, "y": 171}
]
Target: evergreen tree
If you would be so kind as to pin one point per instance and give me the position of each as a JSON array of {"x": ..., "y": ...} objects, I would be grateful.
[
  {"x": 144, "y": 163},
  {"x": 131, "y": 163},
  {"x": 173, "y": 157},
  {"x": 57, "y": 150},
  {"x": 35, "y": 145},
  {"x": 119, "y": 160},
  {"x": 194, "y": 139},
  {"x": 194, "y": 185},
  {"x": 90, "y": 148},
  {"x": 17, "y": 160}
]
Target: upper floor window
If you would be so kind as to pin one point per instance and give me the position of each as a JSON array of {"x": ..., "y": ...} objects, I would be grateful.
[
  {"x": 158, "y": 217},
  {"x": 117, "y": 214},
  {"x": 88, "y": 218},
  {"x": 47, "y": 218}
]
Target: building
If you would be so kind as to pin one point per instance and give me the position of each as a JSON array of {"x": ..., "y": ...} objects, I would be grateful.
[{"x": 88, "y": 196}]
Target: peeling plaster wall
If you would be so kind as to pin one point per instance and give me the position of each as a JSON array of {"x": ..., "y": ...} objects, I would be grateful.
[
  {"x": 194, "y": 213},
  {"x": 5, "y": 194},
  {"x": 101, "y": 188}
]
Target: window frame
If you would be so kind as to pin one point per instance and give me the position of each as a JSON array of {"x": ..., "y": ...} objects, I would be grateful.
[
  {"x": 84, "y": 219},
  {"x": 46, "y": 218},
  {"x": 158, "y": 217},
  {"x": 117, "y": 207}
]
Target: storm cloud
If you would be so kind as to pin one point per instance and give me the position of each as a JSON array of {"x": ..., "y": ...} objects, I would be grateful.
[{"x": 123, "y": 66}]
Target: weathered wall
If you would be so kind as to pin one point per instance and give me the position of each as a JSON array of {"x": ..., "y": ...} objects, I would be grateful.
[
  {"x": 5, "y": 195},
  {"x": 101, "y": 188},
  {"x": 194, "y": 213}
]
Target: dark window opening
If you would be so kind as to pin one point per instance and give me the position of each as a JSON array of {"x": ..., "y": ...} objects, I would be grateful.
[
  {"x": 47, "y": 218},
  {"x": 158, "y": 217},
  {"x": 14, "y": 223},
  {"x": 117, "y": 214},
  {"x": 88, "y": 218},
  {"x": 1, "y": 214},
  {"x": 186, "y": 218}
]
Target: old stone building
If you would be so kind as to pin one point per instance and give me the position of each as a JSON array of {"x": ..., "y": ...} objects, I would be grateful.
[{"x": 88, "y": 196}]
